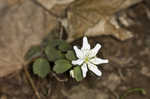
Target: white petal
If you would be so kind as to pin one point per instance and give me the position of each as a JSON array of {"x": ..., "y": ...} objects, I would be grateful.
[
  {"x": 78, "y": 52},
  {"x": 84, "y": 70},
  {"x": 95, "y": 50},
  {"x": 97, "y": 61},
  {"x": 85, "y": 45},
  {"x": 72, "y": 73},
  {"x": 77, "y": 62},
  {"x": 94, "y": 69}
]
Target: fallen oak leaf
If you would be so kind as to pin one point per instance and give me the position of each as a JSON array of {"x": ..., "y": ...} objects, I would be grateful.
[
  {"x": 21, "y": 27},
  {"x": 49, "y": 4},
  {"x": 86, "y": 15}
]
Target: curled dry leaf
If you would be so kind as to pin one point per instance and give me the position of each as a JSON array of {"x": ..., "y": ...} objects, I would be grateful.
[
  {"x": 96, "y": 17},
  {"x": 21, "y": 26},
  {"x": 48, "y": 4}
]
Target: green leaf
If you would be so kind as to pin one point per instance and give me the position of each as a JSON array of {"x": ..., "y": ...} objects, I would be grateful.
[
  {"x": 70, "y": 55},
  {"x": 60, "y": 44},
  {"x": 78, "y": 73},
  {"x": 54, "y": 43},
  {"x": 62, "y": 66},
  {"x": 64, "y": 46},
  {"x": 133, "y": 90},
  {"x": 53, "y": 54},
  {"x": 33, "y": 52},
  {"x": 41, "y": 67}
]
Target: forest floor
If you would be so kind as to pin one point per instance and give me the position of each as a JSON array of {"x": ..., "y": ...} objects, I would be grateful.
[{"x": 128, "y": 68}]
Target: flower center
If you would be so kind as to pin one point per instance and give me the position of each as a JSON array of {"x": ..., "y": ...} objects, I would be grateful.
[{"x": 86, "y": 59}]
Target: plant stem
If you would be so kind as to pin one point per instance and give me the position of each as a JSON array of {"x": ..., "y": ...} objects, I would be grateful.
[{"x": 28, "y": 76}]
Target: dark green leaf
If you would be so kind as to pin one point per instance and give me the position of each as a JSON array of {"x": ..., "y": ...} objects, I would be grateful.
[
  {"x": 53, "y": 54},
  {"x": 41, "y": 67},
  {"x": 64, "y": 46},
  {"x": 70, "y": 55},
  {"x": 60, "y": 44},
  {"x": 78, "y": 73},
  {"x": 54, "y": 43},
  {"x": 33, "y": 52},
  {"x": 62, "y": 66}
]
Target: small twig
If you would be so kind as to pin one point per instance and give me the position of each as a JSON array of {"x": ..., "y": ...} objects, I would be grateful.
[
  {"x": 57, "y": 78},
  {"x": 28, "y": 76},
  {"x": 114, "y": 93},
  {"x": 121, "y": 75},
  {"x": 51, "y": 13}
]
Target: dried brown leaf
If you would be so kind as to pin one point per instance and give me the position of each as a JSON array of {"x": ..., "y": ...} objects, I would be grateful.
[
  {"x": 96, "y": 14},
  {"x": 21, "y": 26},
  {"x": 51, "y": 3}
]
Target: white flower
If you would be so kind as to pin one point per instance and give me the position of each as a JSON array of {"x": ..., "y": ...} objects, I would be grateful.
[{"x": 87, "y": 58}]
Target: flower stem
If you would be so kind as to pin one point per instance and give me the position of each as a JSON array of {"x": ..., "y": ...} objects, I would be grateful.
[{"x": 28, "y": 76}]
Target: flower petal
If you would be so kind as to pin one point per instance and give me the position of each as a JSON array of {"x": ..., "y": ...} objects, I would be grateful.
[
  {"x": 72, "y": 73},
  {"x": 94, "y": 69},
  {"x": 84, "y": 70},
  {"x": 85, "y": 45},
  {"x": 77, "y": 62},
  {"x": 78, "y": 52},
  {"x": 95, "y": 50},
  {"x": 97, "y": 61}
]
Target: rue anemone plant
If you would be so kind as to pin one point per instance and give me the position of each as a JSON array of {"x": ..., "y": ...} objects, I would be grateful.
[{"x": 58, "y": 56}]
